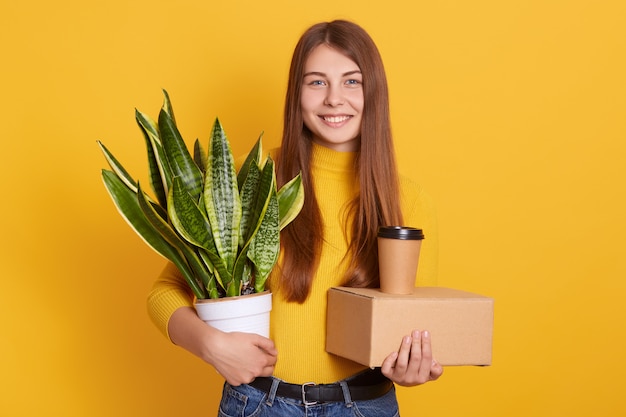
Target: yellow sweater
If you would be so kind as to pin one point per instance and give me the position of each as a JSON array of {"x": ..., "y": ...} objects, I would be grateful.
[{"x": 299, "y": 330}]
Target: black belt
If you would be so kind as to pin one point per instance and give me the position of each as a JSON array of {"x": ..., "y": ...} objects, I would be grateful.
[{"x": 364, "y": 386}]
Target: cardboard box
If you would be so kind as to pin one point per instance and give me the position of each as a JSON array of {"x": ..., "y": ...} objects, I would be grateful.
[{"x": 366, "y": 325}]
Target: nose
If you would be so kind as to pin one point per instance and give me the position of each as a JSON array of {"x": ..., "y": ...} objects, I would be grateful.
[{"x": 334, "y": 96}]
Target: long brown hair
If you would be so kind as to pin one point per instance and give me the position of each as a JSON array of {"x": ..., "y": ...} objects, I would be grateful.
[{"x": 378, "y": 200}]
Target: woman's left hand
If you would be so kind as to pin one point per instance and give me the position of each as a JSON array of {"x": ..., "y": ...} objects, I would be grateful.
[{"x": 413, "y": 363}]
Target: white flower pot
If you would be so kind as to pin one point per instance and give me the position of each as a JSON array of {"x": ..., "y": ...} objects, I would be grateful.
[{"x": 246, "y": 313}]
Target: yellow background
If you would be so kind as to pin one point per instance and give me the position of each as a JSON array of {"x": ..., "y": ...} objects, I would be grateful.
[{"x": 511, "y": 113}]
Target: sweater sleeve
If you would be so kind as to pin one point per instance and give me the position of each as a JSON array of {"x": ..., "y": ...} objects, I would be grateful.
[
  {"x": 169, "y": 293},
  {"x": 419, "y": 211}
]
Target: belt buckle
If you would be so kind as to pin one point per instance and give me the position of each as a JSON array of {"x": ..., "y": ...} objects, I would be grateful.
[{"x": 304, "y": 400}]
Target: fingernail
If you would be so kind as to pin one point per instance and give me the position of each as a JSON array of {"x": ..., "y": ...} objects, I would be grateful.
[
  {"x": 426, "y": 333},
  {"x": 406, "y": 340},
  {"x": 416, "y": 333}
]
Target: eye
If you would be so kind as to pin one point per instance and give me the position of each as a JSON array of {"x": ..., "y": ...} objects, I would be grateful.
[
  {"x": 353, "y": 82},
  {"x": 317, "y": 83}
]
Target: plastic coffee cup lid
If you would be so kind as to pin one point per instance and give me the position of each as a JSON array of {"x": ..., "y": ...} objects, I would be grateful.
[{"x": 400, "y": 232}]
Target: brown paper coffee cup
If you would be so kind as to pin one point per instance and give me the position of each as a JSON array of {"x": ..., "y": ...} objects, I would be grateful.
[{"x": 398, "y": 257}]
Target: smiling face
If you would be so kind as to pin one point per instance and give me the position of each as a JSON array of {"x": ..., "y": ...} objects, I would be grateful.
[{"x": 332, "y": 99}]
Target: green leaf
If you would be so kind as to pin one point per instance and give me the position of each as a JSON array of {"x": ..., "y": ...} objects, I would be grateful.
[
  {"x": 255, "y": 197},
  {"x": 254, "y": 156},
  {"x": 201, "y": 273},
  {"x": 167, "y": 105},
  {"x": 259, "y": 199},
  {"x": 256, "y": 193},
  {"x": 192, "y": 225},
  {"x": 290, "y": 200},
  {"x": 246, "y": 275},
  {"x": 158, "y": 173},
  {"x": 187, "y": 218},
  {"x": 249, "y": 196},
  {"x": 265, "y": 245},
  {"x": 199, "y": 156},
  {"x": 117, "y": 168},
  {"x": 221, "y": 196},
  {"x": 234, "y": 287},
  {"x": 128, "y": 205},
  {"x": 125, "y": 177},
  {"x": 215, "y": 280},
  {"x": 178, "y": 156},
  {"x": 263, "y": 195}
]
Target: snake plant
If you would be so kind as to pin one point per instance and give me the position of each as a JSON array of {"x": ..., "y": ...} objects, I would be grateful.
[{"x": 220, "y": 227}]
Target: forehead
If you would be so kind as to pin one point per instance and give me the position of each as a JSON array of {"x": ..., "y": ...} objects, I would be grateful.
[{"x": 326, "y": 59}]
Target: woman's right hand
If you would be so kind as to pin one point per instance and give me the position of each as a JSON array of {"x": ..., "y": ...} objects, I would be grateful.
[
  {"x": 241, "y": 357},
  {"x": 238, "y": 357}
]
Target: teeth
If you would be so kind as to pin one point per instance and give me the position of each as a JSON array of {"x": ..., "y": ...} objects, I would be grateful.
[{"x": 336, "y": 119}]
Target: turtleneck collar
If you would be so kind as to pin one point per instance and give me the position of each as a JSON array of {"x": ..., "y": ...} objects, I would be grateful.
[{"x": 330, "y": 159}]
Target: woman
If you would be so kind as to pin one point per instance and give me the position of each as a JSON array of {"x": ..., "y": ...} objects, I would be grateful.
[{"x": 337, "y": 133}]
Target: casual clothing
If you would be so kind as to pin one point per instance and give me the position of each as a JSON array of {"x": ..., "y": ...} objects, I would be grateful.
[
  {"x": 245, "y": 400},
  {"x": 298, "y": 330}
]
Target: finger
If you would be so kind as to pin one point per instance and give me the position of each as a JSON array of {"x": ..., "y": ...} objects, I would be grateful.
[
  {"x": 389, "y": 364},
  {"x": 267, "y": 345},
  {"x": 436, "y": 370},
  {"x": 416, "y": 352},
  {"x": 267, "y": 371},
  {"x": 426, "y": 359},
  {"x": 271, "y": 360},
  {"x": 403, "y": 355}
]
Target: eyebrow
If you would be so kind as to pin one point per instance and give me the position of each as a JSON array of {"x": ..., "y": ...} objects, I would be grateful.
[{"x": 321, "y": 74}]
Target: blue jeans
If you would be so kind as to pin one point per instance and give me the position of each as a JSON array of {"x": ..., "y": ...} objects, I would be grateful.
[{"x": 246, "y": 401}]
